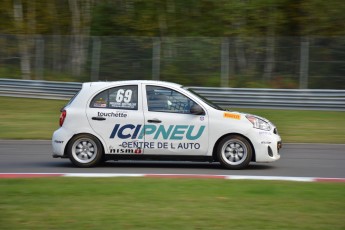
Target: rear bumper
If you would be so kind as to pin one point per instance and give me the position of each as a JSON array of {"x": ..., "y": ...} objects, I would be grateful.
[{"x": 59, "y": 142}]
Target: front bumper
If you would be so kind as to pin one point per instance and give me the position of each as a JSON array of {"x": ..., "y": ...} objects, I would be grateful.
[{"x": 267, "y": 145}]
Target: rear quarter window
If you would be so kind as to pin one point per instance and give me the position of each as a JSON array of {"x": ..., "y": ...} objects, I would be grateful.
[{"x": 121, "y": 97}]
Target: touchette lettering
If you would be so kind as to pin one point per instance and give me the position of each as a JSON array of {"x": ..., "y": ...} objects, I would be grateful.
[
  {"x": 112, "y": 114},
  {"x": 170, "y": 132}
]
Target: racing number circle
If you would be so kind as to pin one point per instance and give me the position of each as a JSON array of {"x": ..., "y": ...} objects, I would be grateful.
[
  {"x": 234, "y": 152},
  {"x": 85, "y": 151}
]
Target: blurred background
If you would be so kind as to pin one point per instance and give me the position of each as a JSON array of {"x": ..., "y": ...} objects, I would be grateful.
[
  {"x": 287, "y": 48},
  {"x": 229, "y": 43}
]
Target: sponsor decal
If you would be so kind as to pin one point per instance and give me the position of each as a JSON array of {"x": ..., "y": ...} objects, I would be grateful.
[
  {"x": 265, "y": 133},
  {"x": 202, "y": 118},
  {"x": 165, "y": 132},
  {"x": 266, "y": 142},
  {"x": 112, "y": 114},
  {"x": 159, "y": 145},
  {"x": 100, "y": 103},
  {"x": 58, "y": 142},
  {"x": 232, "y": 116},
  {"x": 135, "y": 151},
  {"x": 123, "y": 105}
]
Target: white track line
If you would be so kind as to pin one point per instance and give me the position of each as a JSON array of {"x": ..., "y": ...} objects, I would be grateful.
[
  {"x": 102, "y": 175},
  {"x": 191, "y": 176},
  {"x": 280, "y": 178}
]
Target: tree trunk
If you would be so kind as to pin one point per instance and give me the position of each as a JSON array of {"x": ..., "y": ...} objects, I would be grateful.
[
  {"x": 23, "y": 40},
  {"x": 224, "y": 50},
  {"x": 57, "y": 54},
  {"x": 304, "y": 63},
  {"x": 240, "y": 54},
  {"x": 81, "y": 18},
  {"x": 270, "y": 44},
  {"x": 270, "y": 59},
  {"x": 75, "y": 39}
]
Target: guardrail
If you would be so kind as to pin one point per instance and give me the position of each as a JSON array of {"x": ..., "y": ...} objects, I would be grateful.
[
  {"x": 310, "y": 99},
  {"x": 38, "y": 89}
]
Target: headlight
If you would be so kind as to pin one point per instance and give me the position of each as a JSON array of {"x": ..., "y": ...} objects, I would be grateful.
[{"x": 258, "y": 123}]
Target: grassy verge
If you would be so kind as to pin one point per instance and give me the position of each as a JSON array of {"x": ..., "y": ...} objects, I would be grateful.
[
  {"x": 23, "y": 118},
  {"x": 144, "y": 203},
  {"x": 37, "y": 119},
  {"x": 305, "y": 126}
]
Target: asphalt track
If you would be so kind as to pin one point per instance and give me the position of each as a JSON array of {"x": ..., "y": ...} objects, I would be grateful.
[{"x": 297, "y": 160}]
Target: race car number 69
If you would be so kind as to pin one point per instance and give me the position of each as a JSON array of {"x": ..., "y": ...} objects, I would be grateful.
[{"x": 123, "y": 95}]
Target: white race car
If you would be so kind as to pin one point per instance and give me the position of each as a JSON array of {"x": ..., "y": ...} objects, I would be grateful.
[{"x": 158, "y": 120}]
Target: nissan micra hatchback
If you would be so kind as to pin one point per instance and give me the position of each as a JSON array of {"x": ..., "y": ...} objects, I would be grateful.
[{"x": 158, "y": 121}]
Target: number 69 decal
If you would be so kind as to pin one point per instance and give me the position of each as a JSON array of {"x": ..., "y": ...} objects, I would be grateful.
[{"x": 124, "y": 95}]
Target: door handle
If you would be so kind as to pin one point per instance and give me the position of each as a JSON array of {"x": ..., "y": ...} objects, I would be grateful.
[
  {"x": 154, "y": 121},
  {"x": 98, "y": 118}
]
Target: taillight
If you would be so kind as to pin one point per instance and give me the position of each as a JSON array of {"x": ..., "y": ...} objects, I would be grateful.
[{"x": 62, "y": 117}]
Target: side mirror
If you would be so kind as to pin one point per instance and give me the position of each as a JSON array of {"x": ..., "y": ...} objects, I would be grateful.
[{"x": 197, "y": 110}]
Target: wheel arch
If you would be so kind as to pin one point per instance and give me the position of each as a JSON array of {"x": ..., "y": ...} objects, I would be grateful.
[
  {"x": 214, "y": 152},
  {"x": 65, "y": 155}
]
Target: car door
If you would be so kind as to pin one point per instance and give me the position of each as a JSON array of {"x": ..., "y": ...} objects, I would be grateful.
[
  {"x": 170, "y": 128},
  {"x": 116, "y": 114}
]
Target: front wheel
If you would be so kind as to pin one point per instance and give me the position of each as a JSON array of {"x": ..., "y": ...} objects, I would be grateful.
[
  {"x": 234, "y": 152},
  {"x": 85, "y": 151}
]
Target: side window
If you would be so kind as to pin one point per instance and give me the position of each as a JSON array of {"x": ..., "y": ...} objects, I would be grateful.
[
  {"x": 122, "y": 97},
  {"x": 160, "y": 99},
  {"x": 100, "y": 101}
]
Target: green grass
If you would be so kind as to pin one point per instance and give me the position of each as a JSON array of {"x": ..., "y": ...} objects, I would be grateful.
[
  {"x": 144, "y": 203},
  {"x": 306, "y": 126},
  {"x": 23, "y": 118},
  {"x": 37, "y": 119}
]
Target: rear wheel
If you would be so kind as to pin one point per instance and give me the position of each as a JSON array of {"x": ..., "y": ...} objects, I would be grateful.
[
  {"x": 85, "y": 150},
  {"x": 234, "y": 152}
]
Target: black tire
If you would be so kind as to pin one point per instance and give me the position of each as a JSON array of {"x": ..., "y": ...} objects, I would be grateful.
[
  {"x": 85, "y": 151},
  {"x": 234, "y": 152}
]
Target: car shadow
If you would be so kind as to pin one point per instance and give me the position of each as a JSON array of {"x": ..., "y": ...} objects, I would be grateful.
[
  {"x": 150, "y": 164},
  {"x": 174, "y": 164},
  {"x": 160, "y": 164}
]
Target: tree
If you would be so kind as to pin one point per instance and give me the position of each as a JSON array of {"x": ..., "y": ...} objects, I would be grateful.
[
  {"x": 22, "y": 39},
  {"x": 80, "y": 21}
]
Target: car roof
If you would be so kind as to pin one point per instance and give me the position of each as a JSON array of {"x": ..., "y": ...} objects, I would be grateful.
[{"x": 107, "y": 83}]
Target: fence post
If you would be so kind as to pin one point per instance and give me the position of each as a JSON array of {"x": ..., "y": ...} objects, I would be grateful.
[
  {"x": 304, "y": 64},
  {"x": 156, "y": 56},
  {"x": 39, "y": 58},
  {"x": 224, "y": 74},
  {"x": 96, "y": 56}
]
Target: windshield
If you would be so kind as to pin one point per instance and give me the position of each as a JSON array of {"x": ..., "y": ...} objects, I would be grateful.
[{"x": 205, "y": 100}]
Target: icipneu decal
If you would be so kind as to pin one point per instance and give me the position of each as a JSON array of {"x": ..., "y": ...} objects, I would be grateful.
[{"x": 170, "y": 132}]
